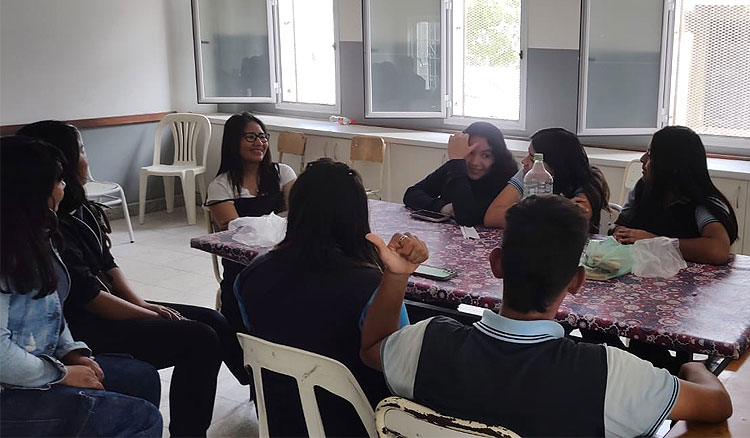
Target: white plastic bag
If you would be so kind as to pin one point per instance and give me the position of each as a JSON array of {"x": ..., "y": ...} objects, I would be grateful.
[
  {"x": 263, "y": 231},
  {"x": 657, "y": 257}
]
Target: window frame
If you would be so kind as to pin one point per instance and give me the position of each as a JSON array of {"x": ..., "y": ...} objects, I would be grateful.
[
  {"x": 464, "y": 121},
  {"x": 197, "y": 44},
  {"x": 302, "y": 106},
  {"x": 662, "y": 113},
  {"x": 367, "y": 40}
]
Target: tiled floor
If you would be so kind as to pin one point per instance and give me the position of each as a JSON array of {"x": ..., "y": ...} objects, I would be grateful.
[{"x": 160, "y": 265}]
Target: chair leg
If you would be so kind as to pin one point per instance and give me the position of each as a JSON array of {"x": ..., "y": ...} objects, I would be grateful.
[
  {"x": 143, "y": 184},
  {"x": 126, "y": 213},
  {"x": 188, "y": 193},
  {"x": 169, "y": 192},
  {"x": 202, "y": 187}
]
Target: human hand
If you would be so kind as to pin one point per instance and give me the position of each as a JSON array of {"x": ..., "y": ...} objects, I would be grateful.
[
  {"x": 448, "y": 210},
  {"x": 458, "y": 146},
  {"x": 402, "y": 254},
  {"x": 627, "y": 235},
  {"x": 164, "y": 311},
  {"x": 76, "y": 358},
  {"x": 81, "y": 376},
  {"x": 583, "y": 203}
]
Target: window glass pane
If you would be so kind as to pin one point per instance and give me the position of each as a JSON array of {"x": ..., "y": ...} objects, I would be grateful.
[
  {"x": 711, "y": 68},
  {"x": 624, "y": 63},
  {"x": 486, "y": 61},
  {"x": 234, "y": 48},
  {"x": 308, "y": 57},
  {"x": 405, "y": 58}
]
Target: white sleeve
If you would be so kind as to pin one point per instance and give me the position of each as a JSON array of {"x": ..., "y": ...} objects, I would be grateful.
[
  {"x": 639, "y": 396},
  {"x": 220, "y": 189},
  {"x": 286, "y": 174},
  {"x": 399, "y": 354}
]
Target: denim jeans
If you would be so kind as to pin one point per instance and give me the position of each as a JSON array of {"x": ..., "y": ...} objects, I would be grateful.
[{"x": 62, "y": 410}]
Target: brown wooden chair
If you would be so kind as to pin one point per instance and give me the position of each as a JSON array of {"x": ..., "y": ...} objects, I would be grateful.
[
  {"x": 292, "y": 143},
  {"x": 366, "y": 148}
]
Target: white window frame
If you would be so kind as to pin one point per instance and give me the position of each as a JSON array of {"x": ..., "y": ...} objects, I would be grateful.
[
  {"x": 464, "y": 121},
  {"x": 202, "y": 98},
  {"x": 662, "y": 114},
  {"x": 367, "y": 27},
  {"x": 301, "y": 106}
]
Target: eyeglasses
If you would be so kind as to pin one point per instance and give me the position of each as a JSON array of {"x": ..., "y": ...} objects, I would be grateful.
[{"x": 251, "y": 137}]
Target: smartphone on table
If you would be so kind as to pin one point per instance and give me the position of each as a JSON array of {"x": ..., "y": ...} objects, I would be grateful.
[
  {"x": 434, "y": 273},
  {"x": 430, "y": 216}
]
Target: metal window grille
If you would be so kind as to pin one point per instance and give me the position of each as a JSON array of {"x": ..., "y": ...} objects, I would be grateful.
[{"x": 711, "y": 69}]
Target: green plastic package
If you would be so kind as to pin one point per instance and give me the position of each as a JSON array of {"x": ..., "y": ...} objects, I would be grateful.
[{"x": 605, "y": 259}]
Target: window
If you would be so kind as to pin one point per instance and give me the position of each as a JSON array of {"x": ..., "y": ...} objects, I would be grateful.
[
  {"x": 405, "y": 58},
  {"x": 307, "y": 52},
  {"x": 623, "y": 56},
  {"x": 281, "y": 51},
  {"x": 488, "y": 68},
  {"x": 711, "y": 67}
]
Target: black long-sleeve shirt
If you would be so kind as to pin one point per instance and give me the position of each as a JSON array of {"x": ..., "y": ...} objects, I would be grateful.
[{"x": 450, "y": 184}]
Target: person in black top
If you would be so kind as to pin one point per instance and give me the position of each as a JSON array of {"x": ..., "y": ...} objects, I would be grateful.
[
  {"x": 106, "y": 313},
  {"x": 676, "y": 198},
  {"x": 248, "y": 184},
  {"x": 309, "y": 292},
  {"x": 479, "y": 165},
  {"x": 574, "y": 178}
]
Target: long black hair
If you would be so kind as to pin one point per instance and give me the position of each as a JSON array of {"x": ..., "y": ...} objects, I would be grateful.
[
  {"x": 231, "y": 161},
  {"x": 64, "y": 137},
  {"x": 679, "y": 171},
  {"x": 564, "y": 153},
  {"x": 30, "y": 169},
  {"x": 504, "y": 166},
  {"x": 329, "y": 218}
]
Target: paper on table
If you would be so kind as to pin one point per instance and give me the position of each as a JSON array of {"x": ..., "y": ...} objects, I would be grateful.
[{"x": 469, "y": 232}]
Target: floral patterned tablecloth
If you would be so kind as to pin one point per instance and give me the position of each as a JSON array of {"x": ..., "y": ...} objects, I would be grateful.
[{"x": 703, "y": 309}]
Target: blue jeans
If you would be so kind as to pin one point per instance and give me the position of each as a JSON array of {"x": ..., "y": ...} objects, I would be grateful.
[{"x": 68, "y": 411}]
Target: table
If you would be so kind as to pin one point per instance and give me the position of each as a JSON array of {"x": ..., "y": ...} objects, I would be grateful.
[{"x": 703, "y": 309}]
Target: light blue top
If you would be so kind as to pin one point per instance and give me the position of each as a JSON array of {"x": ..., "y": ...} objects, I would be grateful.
[{"x": 34, "y": 335}]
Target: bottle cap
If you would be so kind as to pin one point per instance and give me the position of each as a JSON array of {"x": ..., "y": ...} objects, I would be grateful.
[{"x": 538, "y": 157}]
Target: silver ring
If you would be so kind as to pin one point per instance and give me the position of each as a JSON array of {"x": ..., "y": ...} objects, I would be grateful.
[{"x": 402, "y": 238}]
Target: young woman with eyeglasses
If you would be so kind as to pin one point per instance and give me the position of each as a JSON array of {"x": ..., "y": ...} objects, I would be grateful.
[{"x": 248, "y": 184}]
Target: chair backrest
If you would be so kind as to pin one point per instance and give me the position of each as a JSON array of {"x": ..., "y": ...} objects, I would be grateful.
[
  {"x": 633, "y": 173},
  {"x": 367, "y": 148},
  {"x": 187, "y": 129},
  {"x": 309, "y": 370},
  {"x": 608, "y": 217},
  {"x": 397, "y": 417},
  {"x": 292, "y": 143}
]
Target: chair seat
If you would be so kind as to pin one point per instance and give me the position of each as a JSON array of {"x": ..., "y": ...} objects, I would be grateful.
[
  {"x": 172, "y": 169},
  {"x": 95, "y": 189}
]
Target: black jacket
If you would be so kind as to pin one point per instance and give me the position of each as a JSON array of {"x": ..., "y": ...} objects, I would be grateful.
[{"x": 450, "y": 183}]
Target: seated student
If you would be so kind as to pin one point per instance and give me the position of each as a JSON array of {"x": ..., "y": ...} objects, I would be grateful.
[
  {"x": 574, "y": 178},
  {"x": 50, "y": 384},
  {"x": 248, "y": 184},
  {"x": 310, "y": 291},
  {"x": 478, "y": 167},
  {"x": 104, "y": 311},
  {"x": 676, "y": 198},
  {"x": 517, "y": 369}
]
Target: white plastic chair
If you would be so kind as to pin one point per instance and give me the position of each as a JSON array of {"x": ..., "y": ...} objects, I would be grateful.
[
  {"x": 309, "y": 370},
  {"x": 397, "y": 417},
  {"x": 186, "y": 129},
  {"x": 109, "y": 194},
  {"x": 633, "y": 173},
  {"x": 608, "y": 217},
  {"x": 214, "y": 258}
]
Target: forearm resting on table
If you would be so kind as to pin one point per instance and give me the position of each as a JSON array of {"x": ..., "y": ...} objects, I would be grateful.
[
  {"x": 382, "y": 317},
  {"x": 108, "y": 306},
  {"x": 223, "y": 213},
  {"x": 702, "y": 396},
  {"x": 712, "y": 247},
  {"x": 495, "y": 215}
]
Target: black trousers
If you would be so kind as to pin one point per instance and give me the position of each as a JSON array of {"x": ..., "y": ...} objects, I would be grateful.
[{"x": 195, "y": 348}]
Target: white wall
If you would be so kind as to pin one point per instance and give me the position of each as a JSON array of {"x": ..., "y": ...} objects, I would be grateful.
[{"x": 94, "y": 58}]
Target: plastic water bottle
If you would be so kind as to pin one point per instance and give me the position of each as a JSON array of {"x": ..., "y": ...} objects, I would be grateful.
[
  {"x": 538, "y": 181},
  {"x": 341, "y": 120}
]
